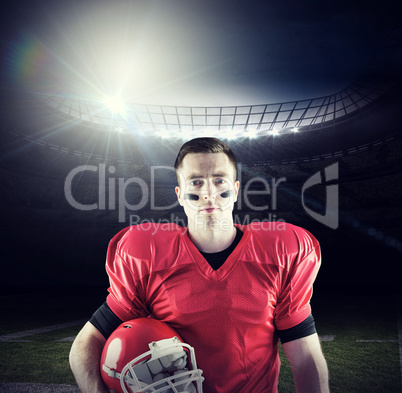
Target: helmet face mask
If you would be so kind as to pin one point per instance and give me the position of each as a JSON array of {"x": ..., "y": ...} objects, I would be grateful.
[{"x": 169, "y": 365}]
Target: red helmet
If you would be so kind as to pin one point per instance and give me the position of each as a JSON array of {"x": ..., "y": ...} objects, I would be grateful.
[{"x": 146, "y": 355}]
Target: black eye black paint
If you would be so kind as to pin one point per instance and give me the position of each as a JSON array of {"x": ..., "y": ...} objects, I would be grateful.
[
  {"x": 194, "y": 197},
  {"x": 191, "y": 197},
  {"x": 227, "y": 194}
]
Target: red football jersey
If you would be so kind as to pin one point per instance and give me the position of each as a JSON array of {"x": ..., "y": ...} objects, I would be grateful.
[{"x": 228, "y": 315}]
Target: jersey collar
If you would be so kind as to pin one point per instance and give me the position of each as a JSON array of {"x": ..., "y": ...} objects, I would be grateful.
[{"x": 228, "y": 265}]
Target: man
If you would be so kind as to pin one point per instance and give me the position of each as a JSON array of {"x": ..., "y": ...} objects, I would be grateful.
[{"x": 229, "y": 290}]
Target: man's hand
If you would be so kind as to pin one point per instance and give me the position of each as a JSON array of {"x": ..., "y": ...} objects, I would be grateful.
[
  {"x": 85, "y": 357},
  {"x": 309, "y": 367}
]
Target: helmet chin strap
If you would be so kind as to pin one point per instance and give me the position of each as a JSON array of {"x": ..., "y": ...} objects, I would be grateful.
[{"x": 195, "y": 197}]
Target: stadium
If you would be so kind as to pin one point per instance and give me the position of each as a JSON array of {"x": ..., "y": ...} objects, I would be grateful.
[{"x": 77, "y": 166}]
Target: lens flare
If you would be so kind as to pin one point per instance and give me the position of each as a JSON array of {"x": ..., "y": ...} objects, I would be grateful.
[{"x": 115, "y": 104}]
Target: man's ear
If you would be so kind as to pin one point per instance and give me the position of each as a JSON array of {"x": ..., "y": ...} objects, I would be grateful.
[
  {"x": 236, "y": 187},
  {"x": 179, "y": 196}
]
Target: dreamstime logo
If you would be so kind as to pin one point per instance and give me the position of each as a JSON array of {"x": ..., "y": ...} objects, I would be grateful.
[{"x": 111, "y": 193}]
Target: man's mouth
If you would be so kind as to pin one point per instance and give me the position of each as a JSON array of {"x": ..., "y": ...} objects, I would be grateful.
[{"x": 209, "y": 209}]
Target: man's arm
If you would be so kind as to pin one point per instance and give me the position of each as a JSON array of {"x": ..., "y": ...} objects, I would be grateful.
[
  {"x": 85, "y": 357},
  {"x": 309, "y": 367}
]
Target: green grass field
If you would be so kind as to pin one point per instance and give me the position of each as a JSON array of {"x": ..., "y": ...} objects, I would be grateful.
[{"x": 354, "y": 366}]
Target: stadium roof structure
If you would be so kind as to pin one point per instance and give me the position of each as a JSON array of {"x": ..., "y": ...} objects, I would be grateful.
[
  {"x": 224, "y": 121},
  {"x": 240, "y": 121},
  {"x": 68, "y": 121}
]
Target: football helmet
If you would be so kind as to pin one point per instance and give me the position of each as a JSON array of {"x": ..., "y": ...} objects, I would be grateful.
[{"x": 146, "y": 355}]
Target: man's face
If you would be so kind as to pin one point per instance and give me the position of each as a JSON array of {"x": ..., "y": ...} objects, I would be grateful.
[{"x": 207, "y": 188}]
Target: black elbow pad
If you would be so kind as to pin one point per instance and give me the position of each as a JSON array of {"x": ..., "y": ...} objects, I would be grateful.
[
  {"x": 105, "y": 320},
  {"x": 303, "y": 329}
]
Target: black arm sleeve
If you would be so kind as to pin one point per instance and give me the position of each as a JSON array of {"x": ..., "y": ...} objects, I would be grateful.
[
  {"x": 303, "y": 329},
  {"x": 105, "y": 320}
]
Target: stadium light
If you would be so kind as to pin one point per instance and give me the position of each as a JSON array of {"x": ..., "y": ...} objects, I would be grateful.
[
  {"x": 252, "y": 133},
  {"x": 164, "y": 134},
  {"x": 115, "y": 105}
]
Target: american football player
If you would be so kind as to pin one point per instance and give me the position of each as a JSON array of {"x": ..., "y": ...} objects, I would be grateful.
[{"x": 230, "y": 291}]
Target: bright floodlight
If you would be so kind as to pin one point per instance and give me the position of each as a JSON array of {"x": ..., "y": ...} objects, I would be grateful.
[
  {"x": 252, "y": 133},
  {"x": 115, "y": 104},
  {"x": 163, "y": 133}
]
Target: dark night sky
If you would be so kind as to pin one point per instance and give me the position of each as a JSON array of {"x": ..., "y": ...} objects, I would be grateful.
[{"x": 181, "y": 52}]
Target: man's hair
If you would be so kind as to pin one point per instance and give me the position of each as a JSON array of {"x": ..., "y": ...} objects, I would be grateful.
[{"x": 205, "y": 145}]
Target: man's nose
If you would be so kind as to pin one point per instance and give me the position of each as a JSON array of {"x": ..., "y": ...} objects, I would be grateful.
[
  {"x": 209, "y": 193},
  {"x": 209, "y": 196}
]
